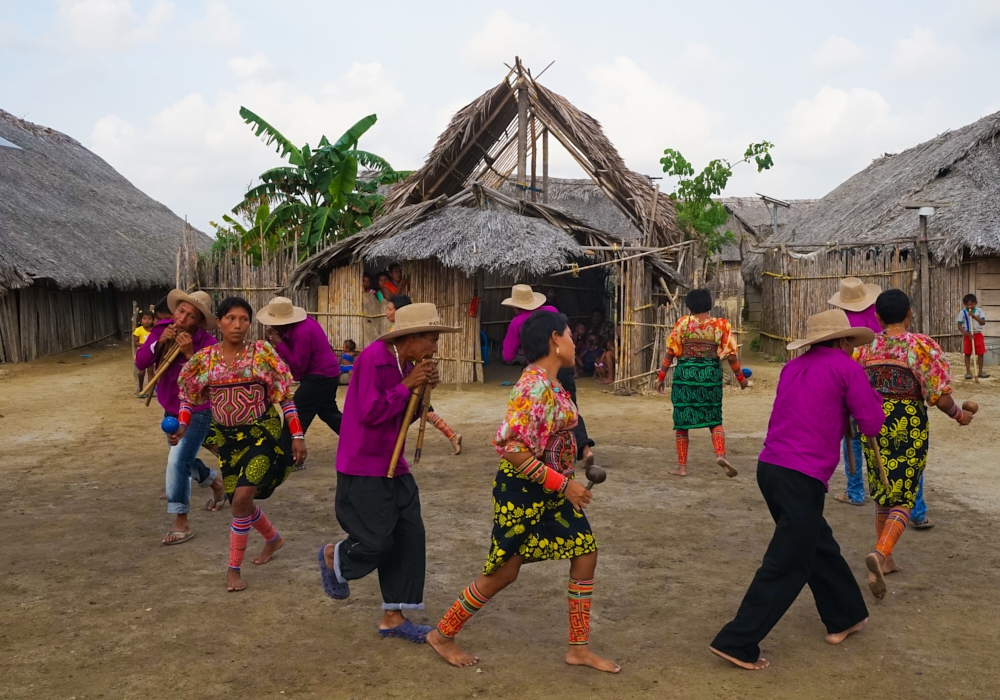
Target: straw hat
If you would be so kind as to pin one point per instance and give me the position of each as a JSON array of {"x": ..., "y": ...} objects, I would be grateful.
[
  {"x": 831, "y": 325},
  {"x": 281, "y": 312},
  {"x": 521, "y": 297},
  {"x": 855, "y": 295},
  {"x": 417, "y": 318},
  {"x": 200, "y": 300}
]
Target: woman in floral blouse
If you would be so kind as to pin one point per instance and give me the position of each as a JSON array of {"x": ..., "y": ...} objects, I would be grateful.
[
  {"x": 538, "y": 505},
  {"x": 699, "y": 341},
  {"x": 243, "y": 381},
  {"x": 911, "y": 373}
]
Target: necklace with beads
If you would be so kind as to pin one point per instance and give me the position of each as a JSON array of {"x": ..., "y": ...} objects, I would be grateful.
[{"x": 399, "y": 364}]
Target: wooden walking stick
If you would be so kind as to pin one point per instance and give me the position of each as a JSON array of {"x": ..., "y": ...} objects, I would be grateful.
[
  {"x": 168, "y": 357},
  {"x": 411, "y": 408},
  {"x": 423, "y": 427},
  {"x": 877, "y": 449}
]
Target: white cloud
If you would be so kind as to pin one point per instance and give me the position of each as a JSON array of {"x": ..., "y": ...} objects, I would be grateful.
[
  {"x": 111, "y": 25},
  {"x": 217, "y": 28},
  {"x": 503, "y": 38},
  {"x": 921, "y": 55},
  {"x": 836, "y": 52},
  {"x": 701, "y": 59},
  {"x": 248, "y": 66}
]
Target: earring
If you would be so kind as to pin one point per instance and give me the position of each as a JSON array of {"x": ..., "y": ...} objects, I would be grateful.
[{"x": 558, "y": 350}]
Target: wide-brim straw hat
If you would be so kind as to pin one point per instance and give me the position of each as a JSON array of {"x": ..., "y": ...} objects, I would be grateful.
[
  {"x": 281, "y": 312},
  {"x": 831, "y": 325},
  {"x": 418, "y": 318},
  {"x": 521, "y": 297},
  {"x": 199, "y": 300},
  {"x": 855, "y": 295}
]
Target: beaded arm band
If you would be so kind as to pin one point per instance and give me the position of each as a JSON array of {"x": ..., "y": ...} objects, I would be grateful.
[
  {"x": 737, "y": 369},
  {"x": 542, "y": 474},
  {"x": 956, "y": 412},
  {"x": 184, "y": 415},
  {"x": 292, "y": 418},
  {"x": 668, "y": 360}
]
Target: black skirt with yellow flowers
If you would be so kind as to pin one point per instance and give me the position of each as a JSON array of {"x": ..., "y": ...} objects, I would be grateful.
[{"x": 251, "y": 455}]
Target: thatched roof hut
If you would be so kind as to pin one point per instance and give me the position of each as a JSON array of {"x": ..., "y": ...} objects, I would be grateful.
[{"x": 71, "y": 225}]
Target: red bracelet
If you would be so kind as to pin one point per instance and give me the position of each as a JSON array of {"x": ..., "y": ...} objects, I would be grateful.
[
  {"x": 661, "y": 376},
  {"x": 554, "y": 481},
  {"x": 184, "y": 415}
]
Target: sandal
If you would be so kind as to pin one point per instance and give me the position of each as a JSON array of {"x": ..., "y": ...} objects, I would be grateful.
[
  {"x": 925, "y": 524},
  {"x": 184, "y": 537},
  {"x": 844, "y": 498},
  {"x": 214, "y": 506},
  {"x": 335, "y": 589},
  {"x": 409, "y": 631}
]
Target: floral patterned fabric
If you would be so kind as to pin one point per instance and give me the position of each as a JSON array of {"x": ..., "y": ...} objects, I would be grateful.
[
  {"x": 920, "y": 353},
  {"x": 714, "y": 330},
  {"x": 536, "y": 412}
]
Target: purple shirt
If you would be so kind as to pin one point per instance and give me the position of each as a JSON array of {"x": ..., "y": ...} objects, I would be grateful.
[
  {"x": 512, "y": 341},
  {"x": 168, "y": 393},
  {"x": 306, "y": 350},
  {"x": 373, "y": 414},
  {"x": 865, "y": 319},
  {"x": 816, "y": 393}
]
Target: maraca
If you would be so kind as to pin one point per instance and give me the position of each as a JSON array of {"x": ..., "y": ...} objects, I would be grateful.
[
  {"x": 170, "y": 425},
  {"x": 747, "y": 372},
  {"x": 970, "y": 406},
  {"x": 595, "y": 475}
]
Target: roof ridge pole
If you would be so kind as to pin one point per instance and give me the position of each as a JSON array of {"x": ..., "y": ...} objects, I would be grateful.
[{"x": 522, "y": 130}]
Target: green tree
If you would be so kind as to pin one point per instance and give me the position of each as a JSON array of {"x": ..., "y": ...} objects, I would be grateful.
[
  {"x": 698, "y": 214},
  {"x": 252, "y": 231}
]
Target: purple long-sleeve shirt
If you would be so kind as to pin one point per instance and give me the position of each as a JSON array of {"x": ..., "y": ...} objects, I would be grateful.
[
  {"x": 816, "y": 393},
  {"x": 306, "y": 350},
  {"x": 512, "y": 341},
  {"x": 167, "y": 391},
  {"x": 865, "y": 319},
  {"x": 373, "y": 414}
]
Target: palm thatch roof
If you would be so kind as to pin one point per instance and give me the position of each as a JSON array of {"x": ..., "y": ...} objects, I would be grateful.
[
  {"x": 584, "y": 199},
  {"x": 961, "y": 167},
  {"x": 67, "y": 218},
  {"x": 750, "y": 221}
]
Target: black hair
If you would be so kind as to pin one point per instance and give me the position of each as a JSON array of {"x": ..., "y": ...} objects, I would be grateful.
[
  {"x": 351, "y": 345},
  {"x": 162, "y": 307},
  {"x": 537, "y": 330},
  {"x": 892, "y": 306},
  {"x": 970, "y": 297},
  {"x": 394, "y": 266},
  {"x": 699, "y": 301},
  {"x": 599, "y": 310},
  {"x": 383, "y": 273},
  {"x": 142, "y": 313},
  {"x": 230, "y": 303},
  {"x": 400, "y": 300}
]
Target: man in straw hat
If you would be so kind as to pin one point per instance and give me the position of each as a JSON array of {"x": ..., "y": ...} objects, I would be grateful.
[
  {"x": 857, "y": 299},
  {"x": 817, "y": 393},
  {"x": 302, "y": 343},
  {"x": 192, "y": 319},
  {"x": 381, "y": 514},
  {"x": 527, "y": 301}
]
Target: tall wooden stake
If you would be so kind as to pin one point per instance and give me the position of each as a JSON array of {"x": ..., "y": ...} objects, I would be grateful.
[
  {"x": 925, "y": 282},
  {"x": 545, "y": 166},
  {"x": 522, "y": 136}
]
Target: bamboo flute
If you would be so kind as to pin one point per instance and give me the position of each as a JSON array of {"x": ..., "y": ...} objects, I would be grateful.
[
  {"x": 877, "y": 450},
  {"x": 423, "y": 426},
  {"x": 168, "y": 357},
  {"x": 411, "y": 408}
]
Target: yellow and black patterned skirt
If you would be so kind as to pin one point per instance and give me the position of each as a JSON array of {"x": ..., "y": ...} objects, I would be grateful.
[
  {"x": 251, "y": 455},
  {"x": 534, "y": 523},
  {"x": 903, "y": 443}
]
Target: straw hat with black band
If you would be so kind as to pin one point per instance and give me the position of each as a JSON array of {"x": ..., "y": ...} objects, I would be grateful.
[
  {"x": 199, "y": 300},
  {"x": 831, "y": 325},
  {"x": 855, "y": 295},
  {"x": 522, "y": 297},
  {"x": 417, "y": 318},
  {"x": 281, "y": 312}
]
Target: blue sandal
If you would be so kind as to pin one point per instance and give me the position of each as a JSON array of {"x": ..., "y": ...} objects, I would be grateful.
[
  {"x": 409, "y": 631},
  {"x": 335, "y": 589}
]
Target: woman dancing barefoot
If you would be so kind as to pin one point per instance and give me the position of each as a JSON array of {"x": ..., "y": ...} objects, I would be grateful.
[{"x": 538, "y": 506}]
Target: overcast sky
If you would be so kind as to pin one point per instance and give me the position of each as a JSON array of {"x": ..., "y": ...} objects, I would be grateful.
[{"x": 154, "y": 86}]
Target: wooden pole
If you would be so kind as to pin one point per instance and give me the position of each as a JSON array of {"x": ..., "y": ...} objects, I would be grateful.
[
  {"x": 522, "y": 135},
  {"x": 534, "y": 152},
  {"x": 167, "y": 360},
  {"x": 925, "y": 282},
  {"x": 411, "y": 408},
  {"x": 545, "y": 166},
  {"x": 423, "y": 427}
]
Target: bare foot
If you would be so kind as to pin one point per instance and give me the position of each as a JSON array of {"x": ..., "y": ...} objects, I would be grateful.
[
  {"x": 328, "y": 554},
  {"x": 758, "y": 665},
  {"x": 456, "y": 444},
  {"x": 679, "y": 471},
  {"x": 449, "y": 651},
  {"x": 889, "y": 566},
  {"x": 729, "y": 468},
  {"x": 218, "y": 489},
  {"x": 581, "y": 655},
  {"x": 234, "y": 582},
  {"x": 841, "y": 636},
  {"x": 588, "y": 456},
  {"x": 269, "y": 549},
  {"x": 876, "y": 578}
]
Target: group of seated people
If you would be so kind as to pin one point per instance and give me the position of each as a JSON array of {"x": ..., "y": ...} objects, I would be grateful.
[
  {"x": 387, "y": 283},
  {"x": 595, "y": 348}
]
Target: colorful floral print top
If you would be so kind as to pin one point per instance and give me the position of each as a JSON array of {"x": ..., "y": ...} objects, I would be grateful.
[
  {"x": 538, "y": 414},
  {"x": 919, "y": 353},
  {"x": 241, "y": 392},
  {"x": 711, "y": 330}
]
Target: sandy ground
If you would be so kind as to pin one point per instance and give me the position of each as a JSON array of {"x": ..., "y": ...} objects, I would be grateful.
[{"x": 92, "y": 606}]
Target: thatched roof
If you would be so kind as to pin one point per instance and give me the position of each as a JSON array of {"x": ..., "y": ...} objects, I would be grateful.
[
  {"x": 586, "y": 201},
  {"x": 961, "y": 167},
  {"x": 480, "y": 146},
  {"x": 476, "y": 229},
  {"x": 68, "y": 218}
]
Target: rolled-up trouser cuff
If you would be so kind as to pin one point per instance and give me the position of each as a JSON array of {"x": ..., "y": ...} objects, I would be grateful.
[
  {"x": 402, "y": 606},
  {"x": 212, "y": 474}
]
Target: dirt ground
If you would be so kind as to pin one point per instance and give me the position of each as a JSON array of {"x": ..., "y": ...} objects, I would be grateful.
[{"x": 92, "y": 606}]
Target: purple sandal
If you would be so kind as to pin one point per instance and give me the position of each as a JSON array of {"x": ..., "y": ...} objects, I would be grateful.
[
  {"x": 408, "y": 631},
  {"x": 335, "y": 589}
]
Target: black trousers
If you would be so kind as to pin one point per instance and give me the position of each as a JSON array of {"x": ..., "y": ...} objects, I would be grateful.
[
  {"x": 568, "y": 380},
  {"x": 316, "y": 396},
  {"x": 802, "y": 551},
  {"x": 381, "y": 517}
]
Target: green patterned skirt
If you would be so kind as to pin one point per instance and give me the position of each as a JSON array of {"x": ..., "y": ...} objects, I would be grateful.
[
  {"x": 903, "y": 443},
  {"x": 696, "y": 392},
  {"x": 534, "y": 523},
  {"x": 251, "y": 455}
]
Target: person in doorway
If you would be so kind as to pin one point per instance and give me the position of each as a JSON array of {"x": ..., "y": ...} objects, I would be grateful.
[
  {"x": 142, "y": 329},
  {"x": 699, "y": 341},
  {"x": 857, "y": 299},
  {"x": 243, "y": 382},
  {"x": 586, "y": 359},
  {"x": 604, "y": 368},
  {"x": 526, "y": 301},
  {"x": 188, "y": 330},
  {"x": 381, "y": 515},
  {"x": 397, "y": 284},
  {"x": 971, "y": 320},
  {"x": 817, "y": 392},
  {"x": 601, "y": 326},
  {"x": 538, "y": 504},
  {"x": 385, "y": 287}
]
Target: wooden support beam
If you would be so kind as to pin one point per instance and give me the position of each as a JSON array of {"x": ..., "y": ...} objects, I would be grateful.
[
  {"x": 545, "y": 166},
  {"x": 534, "y": 151},
  {"x": 522, "y": 135}
]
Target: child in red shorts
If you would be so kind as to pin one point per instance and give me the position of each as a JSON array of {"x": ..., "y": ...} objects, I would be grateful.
[{"x": 971, "y": 320}]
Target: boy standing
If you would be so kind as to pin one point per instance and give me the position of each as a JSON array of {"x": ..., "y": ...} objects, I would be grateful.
[{"x": 971, "y": 320}]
